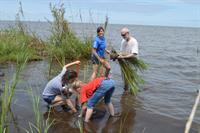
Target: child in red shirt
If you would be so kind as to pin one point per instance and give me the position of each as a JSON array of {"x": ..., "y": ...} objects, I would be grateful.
[{"x": 92, "y": 92}]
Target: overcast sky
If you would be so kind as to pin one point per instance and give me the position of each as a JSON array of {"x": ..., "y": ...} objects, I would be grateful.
[{"x": 141, "y": 12}]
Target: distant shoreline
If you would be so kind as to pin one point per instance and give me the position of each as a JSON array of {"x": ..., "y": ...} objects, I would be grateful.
[{"x": 12, "y": 21}]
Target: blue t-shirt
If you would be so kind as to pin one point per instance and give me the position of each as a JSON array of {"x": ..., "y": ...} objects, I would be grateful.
[{"x": 100, "y": 45}]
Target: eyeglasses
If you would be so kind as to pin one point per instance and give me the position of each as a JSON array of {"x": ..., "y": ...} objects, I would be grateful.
[{"x": 123, "y": 35}]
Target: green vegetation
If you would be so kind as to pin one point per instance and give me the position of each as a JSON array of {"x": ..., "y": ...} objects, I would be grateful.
[
  {"x": 40, "y": 126},
  {"x": 130, "y": 68},
  {"x": 63, "y": 43},
  {"x": 14, "y": 42},
  {"x": 7, "y": 95}
]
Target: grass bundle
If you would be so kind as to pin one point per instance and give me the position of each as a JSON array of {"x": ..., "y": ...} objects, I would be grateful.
[{"x": 130, "y": 68}]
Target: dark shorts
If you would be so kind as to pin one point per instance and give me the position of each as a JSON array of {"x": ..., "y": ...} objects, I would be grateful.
[
  {"x": 94, "y": 60},
  {"x": 48, "y": 99}
]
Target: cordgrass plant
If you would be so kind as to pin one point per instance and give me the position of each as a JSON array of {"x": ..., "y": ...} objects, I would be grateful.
[
  {"x": 14, "y": 41},
  {"x": 40, "y": 125},
  {"x": 7, "y": 95},
  {"x": 130, "y": 68},
  {"x": 81, "y": 125},
  {"x": 64, "y": 44}
]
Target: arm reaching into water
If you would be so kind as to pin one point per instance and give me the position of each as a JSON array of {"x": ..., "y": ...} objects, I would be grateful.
[{"x": 69, "y": 103}]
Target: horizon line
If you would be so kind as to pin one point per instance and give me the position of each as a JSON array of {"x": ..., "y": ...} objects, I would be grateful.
[{"x": 154, "y": 25}]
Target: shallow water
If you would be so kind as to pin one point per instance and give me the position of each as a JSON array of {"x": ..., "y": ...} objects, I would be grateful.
[{"x": 165, "y": 101}]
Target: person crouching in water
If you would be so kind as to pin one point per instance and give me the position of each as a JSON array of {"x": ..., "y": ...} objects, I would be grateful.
[
  {"x": 91, "y": 92},
  {"x": 57, "y": 92}
]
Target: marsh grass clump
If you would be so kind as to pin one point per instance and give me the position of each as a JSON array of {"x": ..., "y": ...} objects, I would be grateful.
[
  {"x": 130, "y": 68},
  {"x": 64, "y": 44},
  {"x": 14, "y": 42},
  {"x": 17, "y": 40}
]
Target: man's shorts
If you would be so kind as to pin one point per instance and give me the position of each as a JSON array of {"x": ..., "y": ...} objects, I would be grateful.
[
  {"x": 49, "y": 99},
  {"x": 94, "y": 60}
]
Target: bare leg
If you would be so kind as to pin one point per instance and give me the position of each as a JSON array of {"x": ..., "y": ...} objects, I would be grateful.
[
  {"x": 107, "y": 66},
  {"x": 95, "y": 69},
  {"x": 88, "y": 114},
  {"x": 111, "y": 109},
  {"x": 83, "y": 109},
  {"x": 57, "y": 101}
]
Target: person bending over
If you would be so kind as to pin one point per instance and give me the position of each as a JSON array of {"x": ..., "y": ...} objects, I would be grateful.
[{"x": 91, "y": 92}]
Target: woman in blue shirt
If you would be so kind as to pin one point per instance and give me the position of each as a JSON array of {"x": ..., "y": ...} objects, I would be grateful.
[{"x": 98, "y": 53}]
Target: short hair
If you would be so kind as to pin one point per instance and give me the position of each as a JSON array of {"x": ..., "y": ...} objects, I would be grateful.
[
  {"x": 76, "y": 84},
  {"x": 69, "y": 74},
  {"x": 99, "y": 29},
  {"x": 125, "y": 30}
]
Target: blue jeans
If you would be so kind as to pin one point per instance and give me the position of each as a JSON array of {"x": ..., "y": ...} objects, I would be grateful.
[
  {"x": 105, "y": 90},
  {"x": 49, "y": 99}
]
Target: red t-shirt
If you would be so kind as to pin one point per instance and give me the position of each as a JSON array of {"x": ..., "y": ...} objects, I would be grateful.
[{"x": 88, "y": 89}]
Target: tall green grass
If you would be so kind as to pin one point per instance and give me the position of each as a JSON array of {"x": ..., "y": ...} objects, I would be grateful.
[
  {"x": 14, "y": 41},
  {"x": 64, "y": 44},
  {"x": 40, "y": 125},
  {"x": 130, "y": 68},
  {"x": 8, "y": 93}
]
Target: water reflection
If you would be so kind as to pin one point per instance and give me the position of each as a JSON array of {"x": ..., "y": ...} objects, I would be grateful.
[
  {"x": 14, "y": 122},
  {"x": 100, "y": 121},
  {"x": 63, "y": 121}
]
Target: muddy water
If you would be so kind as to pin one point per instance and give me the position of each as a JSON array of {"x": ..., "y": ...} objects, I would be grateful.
[{"x": 164, "y": 103}]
